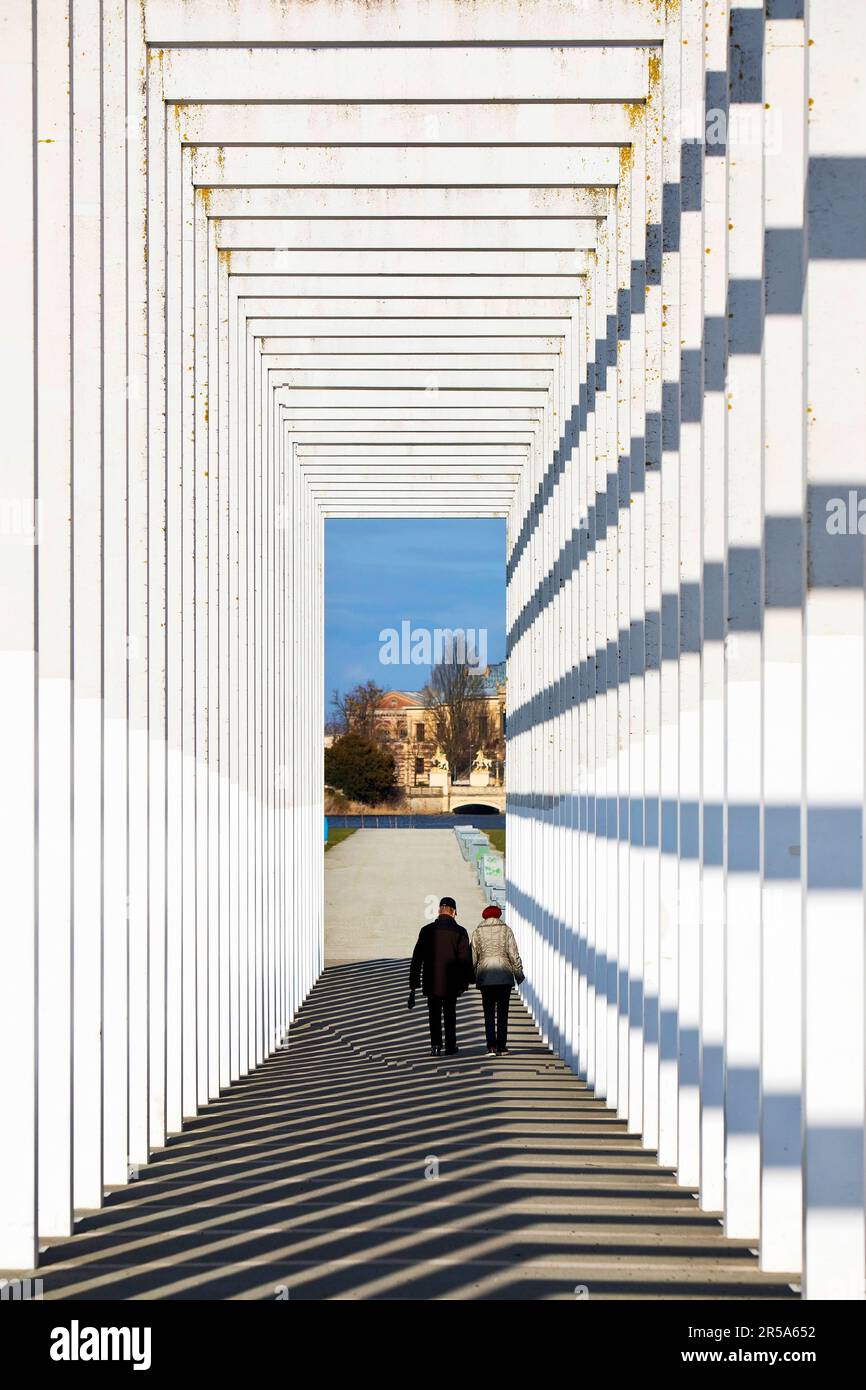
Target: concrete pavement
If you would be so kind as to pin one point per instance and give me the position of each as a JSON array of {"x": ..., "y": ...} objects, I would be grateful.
[
  {"x": 351, "y": 1165},
  {"x": 381, "y": 886}
]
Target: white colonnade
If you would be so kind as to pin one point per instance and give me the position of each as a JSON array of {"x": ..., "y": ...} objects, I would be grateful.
[{"x": 269, "y": 263}]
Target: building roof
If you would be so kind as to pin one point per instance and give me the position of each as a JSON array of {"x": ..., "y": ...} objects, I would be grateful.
[
  {"x": 400, "y": 699},
  {"x": 494, "y": 677}
]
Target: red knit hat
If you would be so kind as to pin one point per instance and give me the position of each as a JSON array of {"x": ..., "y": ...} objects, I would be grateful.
[{"x": 492, "y": 911}]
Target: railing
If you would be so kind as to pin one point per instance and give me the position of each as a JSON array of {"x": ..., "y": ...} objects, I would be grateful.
[{"x": 415, "y": 822}]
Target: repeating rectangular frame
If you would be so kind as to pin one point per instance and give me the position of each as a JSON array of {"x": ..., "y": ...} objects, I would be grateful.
[{"x": 706, "y": 384}]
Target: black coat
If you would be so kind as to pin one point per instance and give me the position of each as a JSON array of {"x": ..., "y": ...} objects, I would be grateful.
[{"x": 442, "y": 959}]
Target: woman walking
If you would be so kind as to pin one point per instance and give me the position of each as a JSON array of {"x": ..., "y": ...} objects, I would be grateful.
[{"x": 498, "y": 967}]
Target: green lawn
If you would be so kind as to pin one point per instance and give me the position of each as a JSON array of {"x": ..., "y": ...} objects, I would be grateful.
[
  {"x": 338, "y": 834},
  {"x": 497, "y": 839}
]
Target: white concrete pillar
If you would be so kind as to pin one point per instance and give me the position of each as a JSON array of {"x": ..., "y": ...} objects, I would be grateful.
[
  {"x": 235, "y": 857},
  {"x": 691, "y": 379},
  {"x": 714, "y": 608},
  {"x": 637, "y": 635},
  {"x": 622, "y": 312},
  {"x": 652, "y": 604},
  {"x": 611, "y": 662},
  {"x": 189, "y": 578},
  {"x": 87, "y": 477},
  {"x": 784, "y": 502},
  {"x": 157, "y": 613},
  {"x": 115, "y": 389},
  {"x": 669, "y": 784},
  {"x": 593, "y": 925},
  {"x": 54, "y": 324},
  {"x": 176, "y": 526},
  {"x": 224, "y": 870},
  {"x": 18, "y": 675},
  {"x": 743, "y": 670},
  {"x": 834, "y": 1237},
  {"x": 137, "y": 553}
]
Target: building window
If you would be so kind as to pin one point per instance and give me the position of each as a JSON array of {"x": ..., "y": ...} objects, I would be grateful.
[
  {"x": 482, "y": 727},
  {"x": 419, "y": 766},
  {"x": 419, "y": 735}
]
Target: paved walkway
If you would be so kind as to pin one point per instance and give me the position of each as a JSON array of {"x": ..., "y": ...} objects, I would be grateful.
[
  {"x": 354, "y": 1166},
  {"x": 381, "y": 886}
]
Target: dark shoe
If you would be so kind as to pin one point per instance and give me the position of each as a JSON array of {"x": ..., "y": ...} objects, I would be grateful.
[
  {"x": 491, "y": 1052},
  {"x": 436, "y": 1052},
  {"x": 451, "y": 1051},
  {"x": 501, "y": 1051}
]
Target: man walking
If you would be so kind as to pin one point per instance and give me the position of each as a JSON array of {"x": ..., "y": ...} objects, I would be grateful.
[{"x": 442, "y": 966}]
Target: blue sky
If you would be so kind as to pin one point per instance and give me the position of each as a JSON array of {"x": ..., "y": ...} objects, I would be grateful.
[{"x": 433, "y": 573}]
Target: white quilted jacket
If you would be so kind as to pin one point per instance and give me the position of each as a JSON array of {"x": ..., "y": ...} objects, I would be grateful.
[{"x": 495, "y": 956}]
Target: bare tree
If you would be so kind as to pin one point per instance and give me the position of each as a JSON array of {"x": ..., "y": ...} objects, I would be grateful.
[
  {"x": 454, "y": 695},
  {"x": 355, "y": 712}
]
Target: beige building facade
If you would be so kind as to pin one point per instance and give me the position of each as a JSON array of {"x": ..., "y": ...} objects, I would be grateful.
[{"x": 408, "y": 730}]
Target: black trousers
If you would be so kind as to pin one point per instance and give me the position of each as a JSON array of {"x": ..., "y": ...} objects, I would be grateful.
[
  {"x": 437, "y": 1006},
  {"x": 495, "y": 1000}
]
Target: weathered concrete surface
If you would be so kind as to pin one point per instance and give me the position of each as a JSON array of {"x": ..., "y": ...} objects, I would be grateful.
[{"x": 382, "y": 885}]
